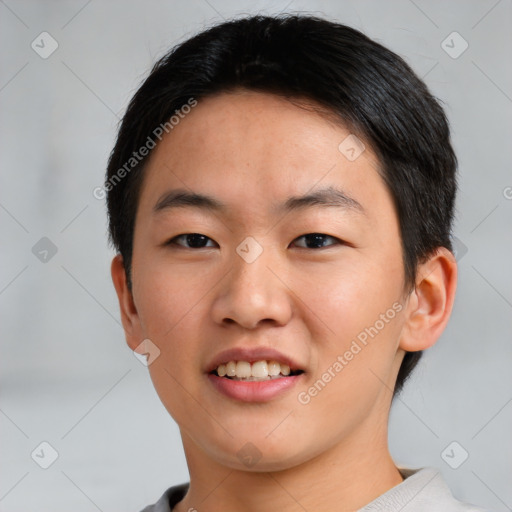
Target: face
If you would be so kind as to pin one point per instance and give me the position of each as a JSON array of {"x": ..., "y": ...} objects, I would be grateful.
[{"x": 319, "y": 282}]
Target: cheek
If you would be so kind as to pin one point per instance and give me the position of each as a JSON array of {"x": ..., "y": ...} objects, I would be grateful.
[
  {"x": 348, "y": 296},
  {"x": 170, "y": 316},
  {"x": 169, "y": 310},
  {"x": 355, "y": 309},
  {"x": 166, "y": 295}
]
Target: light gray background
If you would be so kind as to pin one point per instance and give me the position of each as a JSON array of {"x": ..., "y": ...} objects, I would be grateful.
[{"x": 68, "y": 377}]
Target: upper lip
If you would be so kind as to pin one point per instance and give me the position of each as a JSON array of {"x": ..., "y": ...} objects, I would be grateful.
[{"x": 252, "y": 355}]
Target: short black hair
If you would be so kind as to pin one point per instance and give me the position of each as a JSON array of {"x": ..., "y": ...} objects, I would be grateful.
[{"x": 365, "y": 86}]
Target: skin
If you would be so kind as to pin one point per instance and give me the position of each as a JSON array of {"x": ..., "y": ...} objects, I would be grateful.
[{"x": 251, "y": 150}]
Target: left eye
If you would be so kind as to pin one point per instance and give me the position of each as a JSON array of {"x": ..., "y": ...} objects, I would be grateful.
[{"x": 317, "y": 239}]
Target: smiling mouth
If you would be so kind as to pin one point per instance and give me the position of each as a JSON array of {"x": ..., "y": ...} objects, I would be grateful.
[{"x": 258, "y": 371}]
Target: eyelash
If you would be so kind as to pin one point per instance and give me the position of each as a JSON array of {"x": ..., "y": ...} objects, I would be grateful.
[{"x": 173, "y": 241}]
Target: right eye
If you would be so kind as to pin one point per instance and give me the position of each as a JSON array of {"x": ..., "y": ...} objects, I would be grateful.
[{"x": 195, "y": 240}]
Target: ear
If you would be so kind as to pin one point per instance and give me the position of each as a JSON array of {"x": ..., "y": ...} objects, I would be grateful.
[
  {"x": 430, "y": 304},
  {"x": 129, "y": 315}
]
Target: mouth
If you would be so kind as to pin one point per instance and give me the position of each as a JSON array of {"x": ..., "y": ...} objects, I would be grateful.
[
  {"x": 254, "y": 374},
  {"x": 262, "y": 370},
  {"x": 259, "y": 382}
]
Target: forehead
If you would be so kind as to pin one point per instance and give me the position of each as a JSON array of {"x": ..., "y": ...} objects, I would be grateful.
[{"x": 254, "y": 150}]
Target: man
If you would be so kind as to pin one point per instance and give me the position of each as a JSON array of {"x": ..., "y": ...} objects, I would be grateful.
[{"x": 281, "y": 196}]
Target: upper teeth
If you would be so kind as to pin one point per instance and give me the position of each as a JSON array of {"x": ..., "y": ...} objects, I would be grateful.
[{"x": 260, "y": 369}]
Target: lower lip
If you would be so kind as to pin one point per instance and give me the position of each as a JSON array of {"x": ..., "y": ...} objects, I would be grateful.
[{"x": 253, "y": 391}]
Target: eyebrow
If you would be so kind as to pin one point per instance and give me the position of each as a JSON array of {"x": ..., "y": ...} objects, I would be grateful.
[{"x": 326, "y": 198}]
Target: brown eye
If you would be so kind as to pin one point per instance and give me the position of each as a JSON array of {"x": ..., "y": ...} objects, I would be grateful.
[
  {"x": 316, "y": 240},
  {"x": 195, "y": 241}
]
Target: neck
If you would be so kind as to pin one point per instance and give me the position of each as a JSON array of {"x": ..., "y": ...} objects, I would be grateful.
[{"x": 344, "y": 478}]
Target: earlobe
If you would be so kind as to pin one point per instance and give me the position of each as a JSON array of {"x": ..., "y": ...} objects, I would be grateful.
[
  {"x": 129, "y": 315},
  {"x": 431, "y": 302}
]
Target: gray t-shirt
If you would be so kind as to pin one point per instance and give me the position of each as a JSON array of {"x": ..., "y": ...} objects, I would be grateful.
[{"x": 423, "y": 490}]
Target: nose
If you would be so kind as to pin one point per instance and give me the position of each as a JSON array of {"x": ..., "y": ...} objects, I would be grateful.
[{"x": 253, "y": 293}]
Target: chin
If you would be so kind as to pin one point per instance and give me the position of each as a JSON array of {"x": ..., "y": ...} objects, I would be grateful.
[{"x": 260, "y": 454}]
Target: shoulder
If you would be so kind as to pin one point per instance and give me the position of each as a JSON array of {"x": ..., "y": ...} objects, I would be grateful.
[
  {"x": 423, "y": 490},
  {"x": 168, "y": 499}
]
